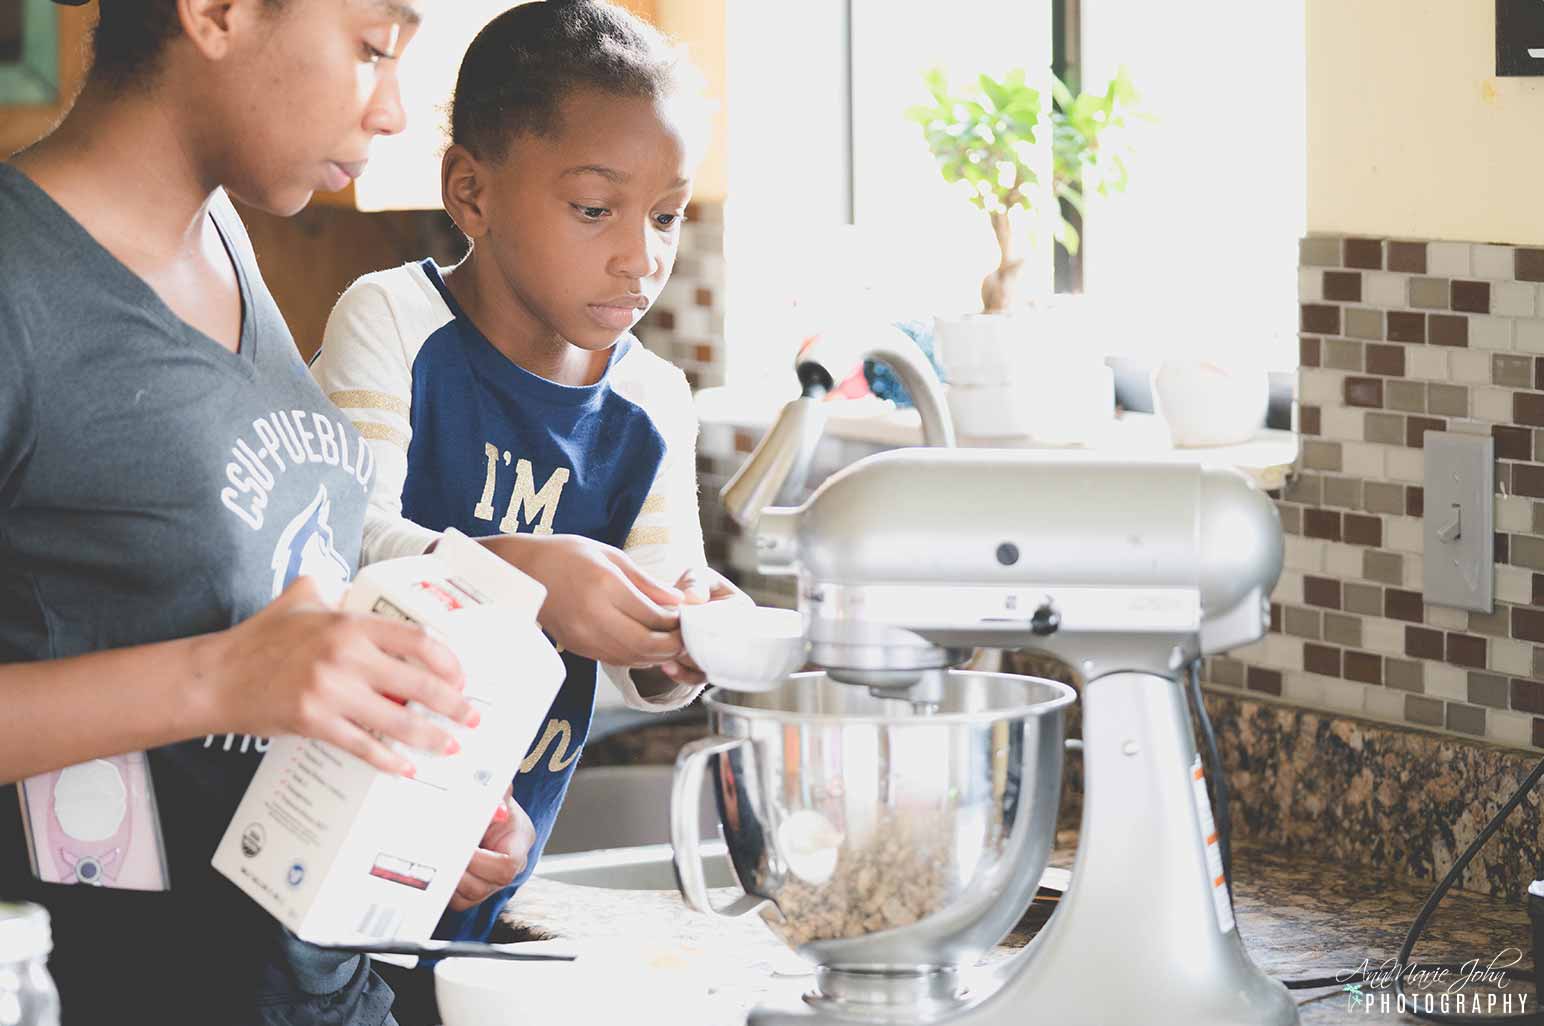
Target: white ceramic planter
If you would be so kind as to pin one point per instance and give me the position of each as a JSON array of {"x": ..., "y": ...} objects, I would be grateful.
[
  {"x": 1017, "y": 378},
  {"x": 1208, "y": 405}
]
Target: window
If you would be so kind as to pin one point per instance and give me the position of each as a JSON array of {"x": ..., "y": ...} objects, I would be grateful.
[{"x": 836, "y": 209}]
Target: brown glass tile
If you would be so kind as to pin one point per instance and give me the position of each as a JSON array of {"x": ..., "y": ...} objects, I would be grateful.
[
  {"x": 1362, "y": 530},
  {"x": 1363, "y": 599},
  {"x": 1366, "y": 392},
  {"x": 1511, "y": 371},
  {"x": 1386, "y": 360},
  {"x": 1308, "y": 488},
  {"x": 1343, "y": 630},
  {"x": 1501, "y": 546},
  {"x": 1538, "y": 373},
  {"x": 703, "y": 354},
  {"x": 1527, "y": 696},
  {"x": 1447, "y": 400},
  {"x": 1528, "y": 551},
  {"x": 1399, "y": 604},
  {"x": 1528, "y": 408},
  {"x": 1363, "y": 666},
  {"x": 1261, "y": 679},
  {"x": 1308, "y": 347},
  {"x": 1409, "y": 257},
  {"x": 1405, "y": 326},
  {"x": 1422, "y": 710},
  {"x": 1302, "y": 623},
  {"x": 1291, "y": 518},
  {"x": 1471, "y": 296},
  {"x": 1538, "y": 663},
  {"x": 1229, "y": 672},
  {"x": 1323, "y": 592},
  {"x": 1275, "y": 618},
  {"x": 693, "y": 379},
  {"x": 1319, "y": 319},
  {"x": 1423, "y": 643},
  {"x": 1321, "y": 659},
  {"x": 1405, "y": 674},
  {"x": 1488, "y": 689},
  {"x": 704, "y": 297},
  {"x": 1308, "y": 420},
  {"x": 1385, "y": 567},
  {"x": 1512, "y": 443},
  {"x": 1530, "y": 265},
  {"x": 1415, "y": 501},
  {"x": 1538, "y": 733},
  {"x": 1406, "y": 396},
  {"x": 1466, "y": 650},
  {"x": 1360, "y": 322},
  {"x": 1527, "y": 623},
  {"x": 1447, "y": 330},
  {"x": 1538, "y": 507},
  {"x": 1384, "y": 497},
  {"x": 1429, "y": 293},
  {"x": 1319, "y": 455},
  {"x": 1340, "y": 354},
  {"x": 664, "y": 320},
  {"x": 1364, "y": 253},
  {"x": 1343, "y": 286},
  {"x": 1318, "y": 251},
  {"x": 1466, "y": 719},
  {"x": 1416, "y": 428},
  {"x": 1384, "y": 428},
  {"x": 1527, "y": 479},
  {"x": 1343, "y": 492}
]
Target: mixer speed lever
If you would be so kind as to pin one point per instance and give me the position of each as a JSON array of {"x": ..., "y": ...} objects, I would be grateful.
[{"x": 1046, "y": 620}]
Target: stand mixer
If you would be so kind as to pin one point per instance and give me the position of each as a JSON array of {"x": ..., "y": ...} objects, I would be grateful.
[{"x": 909, "y": 559}]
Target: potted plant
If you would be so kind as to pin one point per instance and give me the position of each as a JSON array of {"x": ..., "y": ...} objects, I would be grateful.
[{"x": 986, "y": 141}]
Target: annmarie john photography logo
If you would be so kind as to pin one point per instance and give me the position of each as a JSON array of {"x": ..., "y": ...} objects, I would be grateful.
[{"x": 1477, "y": 987}]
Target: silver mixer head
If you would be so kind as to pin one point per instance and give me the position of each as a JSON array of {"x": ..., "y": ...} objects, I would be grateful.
[{"x": 909, "y": 559}]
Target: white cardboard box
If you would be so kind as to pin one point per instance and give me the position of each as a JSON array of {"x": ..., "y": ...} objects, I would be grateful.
[{"x": 340, "y": 852}]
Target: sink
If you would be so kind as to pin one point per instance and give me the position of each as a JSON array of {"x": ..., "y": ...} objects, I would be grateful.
[
  {"x": 646, "y": 867},
  {"x": 614, "y": 832},
  {"x": 621, "y": 807}
]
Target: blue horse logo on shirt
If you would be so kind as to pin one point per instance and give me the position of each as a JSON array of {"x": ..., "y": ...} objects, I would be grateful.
[{"x": 306, "y": 549}]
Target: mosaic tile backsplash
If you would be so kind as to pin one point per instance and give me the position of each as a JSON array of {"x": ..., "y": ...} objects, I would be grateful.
[
  {"x": 1398, "y": 338},
  {"x": 686, "y": 324}
]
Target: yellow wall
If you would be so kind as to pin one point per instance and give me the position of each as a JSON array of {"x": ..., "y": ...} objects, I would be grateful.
[
  {"x": 1409, "y": 131},
  {"x": 700, "y": 25}
]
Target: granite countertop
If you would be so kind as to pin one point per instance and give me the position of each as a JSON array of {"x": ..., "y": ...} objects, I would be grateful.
[{"x": 1299, "y": 916}]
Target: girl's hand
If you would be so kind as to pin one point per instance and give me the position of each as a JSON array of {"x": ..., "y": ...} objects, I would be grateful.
[
  {"x": 599, "y": 603},
  {"x": 699, "y": 585},
  {"x": 300, "y": 667},
  {"x": 500, "y": 857}
]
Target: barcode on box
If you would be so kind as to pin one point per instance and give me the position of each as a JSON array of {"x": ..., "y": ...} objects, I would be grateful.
[{"x": 380, "y": 922}]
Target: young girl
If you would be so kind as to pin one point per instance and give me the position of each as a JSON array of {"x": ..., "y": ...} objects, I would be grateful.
[
  {"x": 167, "y": 468},
  {"x": 505, "y": 396}
]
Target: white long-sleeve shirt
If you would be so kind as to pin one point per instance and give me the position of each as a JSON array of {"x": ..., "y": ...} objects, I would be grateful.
[{"x": 465, "y": 438}]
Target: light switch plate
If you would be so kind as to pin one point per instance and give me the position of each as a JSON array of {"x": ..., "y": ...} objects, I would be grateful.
[{"x": 1460, "y": 521}]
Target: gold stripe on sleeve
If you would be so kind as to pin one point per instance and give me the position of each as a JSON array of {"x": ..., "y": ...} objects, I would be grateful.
[
  {"x": 382, "y": 433},
  {"x": 365, "y": 399},
  {"x": 653, "y": 504},
  {"x": 641, "y": 536}
]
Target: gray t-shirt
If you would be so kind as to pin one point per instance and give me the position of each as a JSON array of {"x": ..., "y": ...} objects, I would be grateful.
[{"x": 153, "y": 485}]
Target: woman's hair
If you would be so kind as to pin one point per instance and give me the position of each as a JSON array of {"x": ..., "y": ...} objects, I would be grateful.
[
  {"x": 131, "y": 36},
  {"x": 524, "y": 62}
]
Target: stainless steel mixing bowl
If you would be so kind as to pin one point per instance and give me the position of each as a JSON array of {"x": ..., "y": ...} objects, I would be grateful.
[{"x": 879, "y": 839}]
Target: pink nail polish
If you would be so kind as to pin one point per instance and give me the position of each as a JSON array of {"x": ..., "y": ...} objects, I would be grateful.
[
  {"x": 473, "y": 718},
  {"x": 409, "y": 770},
  {"x": 452, "y": 746}
]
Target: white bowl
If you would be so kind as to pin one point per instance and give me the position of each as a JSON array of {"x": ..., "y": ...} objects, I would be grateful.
[{"x": 744, "y": 647}]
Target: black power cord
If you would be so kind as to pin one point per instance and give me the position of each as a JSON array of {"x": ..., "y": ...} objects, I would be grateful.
[{"x": 1218, "y": 781}]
